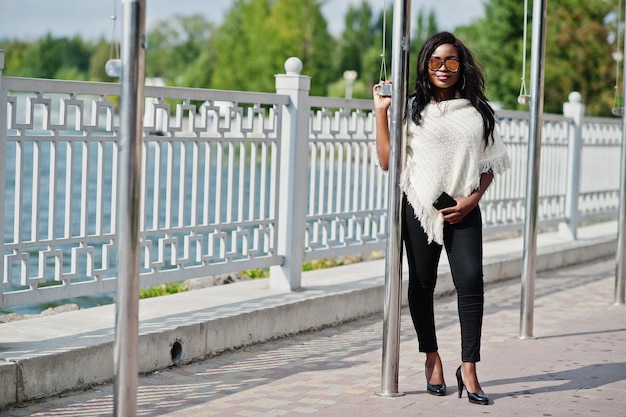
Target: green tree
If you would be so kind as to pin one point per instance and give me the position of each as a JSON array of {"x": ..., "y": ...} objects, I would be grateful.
[
  {"x": 257, "y": 36},
  {"x": 101, "y": 54},
  {"x": 579, "y": 55},
  {"x": 425, "y": 27},
  {"x": 199, "y": 72},
  {"x": 358, "y": 36},
  {"x": 174, "y": 48},
  {"x": 372, "y": 57},
  {"x": 301, "y": 30},
  {"x": 497, "y": 42},
  {"x": 240, "y": 44},
  {"x": 49, "y": 57},
  {"x": 14, "y": 56},
  {"x": 578, "y": 52}
]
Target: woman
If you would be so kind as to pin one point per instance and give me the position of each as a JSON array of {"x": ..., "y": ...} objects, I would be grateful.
[{"x": 451, "y": 146}]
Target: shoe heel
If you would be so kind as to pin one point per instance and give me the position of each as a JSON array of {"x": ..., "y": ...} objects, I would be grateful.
[
  {"x": 459, "y": 381},
  {"x": 473, "y": 397}
]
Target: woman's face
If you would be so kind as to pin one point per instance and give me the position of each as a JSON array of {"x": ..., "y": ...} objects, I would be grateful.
[{"x": 444, "y": 68}]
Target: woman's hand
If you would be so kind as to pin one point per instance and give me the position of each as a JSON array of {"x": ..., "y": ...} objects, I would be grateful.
[
  {"x": 381, "y": 102},
  {"x": 464, "y": 205},
  {"x": 456, "y": 214}
]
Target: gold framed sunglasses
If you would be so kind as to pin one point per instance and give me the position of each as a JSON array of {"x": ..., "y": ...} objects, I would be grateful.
[{"x": 451, "y": 64}]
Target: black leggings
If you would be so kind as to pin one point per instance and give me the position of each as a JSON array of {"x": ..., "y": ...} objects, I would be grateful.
[{"x": 463, "y": 242}]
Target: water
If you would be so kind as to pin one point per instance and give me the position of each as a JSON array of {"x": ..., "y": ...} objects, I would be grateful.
[{"x": 55, "y": 205}]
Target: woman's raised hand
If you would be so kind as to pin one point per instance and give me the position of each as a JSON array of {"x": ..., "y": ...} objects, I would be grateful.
[{"x": 381, "y": 102}]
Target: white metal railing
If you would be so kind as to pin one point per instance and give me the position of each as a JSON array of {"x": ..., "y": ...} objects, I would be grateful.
[
  {"x": 600, "y": 161},
  {"x": 212, "y": 197},
  {"x": 347, "y": 191},
  {"x": 503, "y": 204},
  {"x": 209, "y": 195},
  {"x": 210, "y": 188}
]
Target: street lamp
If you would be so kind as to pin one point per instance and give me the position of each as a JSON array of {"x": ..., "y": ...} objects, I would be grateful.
[{"x": 349, "y": 77}]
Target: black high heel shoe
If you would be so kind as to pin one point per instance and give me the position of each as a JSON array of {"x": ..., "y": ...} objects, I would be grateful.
[
  {"x": 473, "y": 397},
  {"x": 436, "y": 389}
]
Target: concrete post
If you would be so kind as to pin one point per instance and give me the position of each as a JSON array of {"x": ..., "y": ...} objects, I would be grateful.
[
  {"x": 293, "y": 174},
  {"x": 575, "y": 110}
]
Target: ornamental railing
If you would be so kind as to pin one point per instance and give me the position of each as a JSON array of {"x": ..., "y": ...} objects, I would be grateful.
[{"x": 236, "y": 181}]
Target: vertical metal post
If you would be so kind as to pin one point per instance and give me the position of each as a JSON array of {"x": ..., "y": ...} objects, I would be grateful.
[
  {"x": 620, "y": 268},
  {"x": 126, "y": 358},
  {"x": 3, "y": 159},
  {"x": 532, "y": 176},
  {"x": 393, "y": 263}
]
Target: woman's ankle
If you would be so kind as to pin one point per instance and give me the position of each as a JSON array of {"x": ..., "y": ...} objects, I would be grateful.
[
  {"x": 434, "y": 368},
  {"x": 470, "y": 377}
]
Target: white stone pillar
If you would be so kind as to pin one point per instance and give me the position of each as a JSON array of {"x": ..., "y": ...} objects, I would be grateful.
[
  {"x": 575, "y": 110},
  {"x": 293, "y": 183}
]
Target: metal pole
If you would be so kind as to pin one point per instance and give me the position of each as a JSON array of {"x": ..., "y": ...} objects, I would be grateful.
[
  {"x": 532, "y": 176},
  {"x": 126, "y": 358},
  {"x": 393, "y": 264},
  {"x": 620, "y": 268}
]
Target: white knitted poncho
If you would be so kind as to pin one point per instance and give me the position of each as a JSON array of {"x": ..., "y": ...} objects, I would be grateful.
[{"x": 447, "y": 152}]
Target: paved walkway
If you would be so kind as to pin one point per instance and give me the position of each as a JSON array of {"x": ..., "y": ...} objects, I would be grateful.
[{"x": 575, "y": 365}]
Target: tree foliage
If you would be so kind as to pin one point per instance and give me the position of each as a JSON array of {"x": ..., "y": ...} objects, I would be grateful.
[
  {"x": 497, "y": 42},
  {"x": 358, "y": 36},
  {"x": 578, "y": 52},
  {"x": 257, "y": 36},
  {"x": 301, "y": 30},
  {"x": 579, "y": 55},
  {"x": 49, "y": 57},
  {"x": 425, "y": 27},
  {"x": 102, "y": 52},
  {"x": 241, "y": 48},
  {"x": 178, "y": 51}
]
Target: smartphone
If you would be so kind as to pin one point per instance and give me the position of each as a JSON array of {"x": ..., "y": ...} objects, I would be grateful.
[
  {"x": 384, "y": 90},
  {"x": 444, "y": 201}
]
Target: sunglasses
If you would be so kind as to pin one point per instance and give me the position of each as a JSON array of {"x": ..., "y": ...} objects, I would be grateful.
[{"x": 451, "y": 64}]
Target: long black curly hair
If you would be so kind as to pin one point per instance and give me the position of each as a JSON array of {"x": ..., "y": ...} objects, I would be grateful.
[{"x": 471, "y": 83}]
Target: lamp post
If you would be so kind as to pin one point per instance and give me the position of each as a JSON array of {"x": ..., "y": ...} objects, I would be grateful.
[{"x": 349, "y": 77}]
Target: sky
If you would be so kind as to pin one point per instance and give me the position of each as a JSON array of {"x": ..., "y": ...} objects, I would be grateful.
[{"x": 91, "y": 19}]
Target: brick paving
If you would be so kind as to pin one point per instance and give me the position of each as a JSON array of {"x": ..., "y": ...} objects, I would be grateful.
[{"x": 574, "y": 366}]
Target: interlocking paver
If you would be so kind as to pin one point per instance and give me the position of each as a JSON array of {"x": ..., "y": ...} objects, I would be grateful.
[{"x": 575, "y": 365}]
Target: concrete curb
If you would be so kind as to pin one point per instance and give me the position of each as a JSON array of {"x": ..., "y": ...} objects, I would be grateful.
[{"x": 74, "y": 350}]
